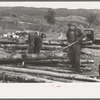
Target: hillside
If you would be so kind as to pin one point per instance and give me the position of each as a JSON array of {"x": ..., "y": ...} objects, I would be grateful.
[
  {"x": 23, "y": 18},
  {"x": 61, "y": 12}
]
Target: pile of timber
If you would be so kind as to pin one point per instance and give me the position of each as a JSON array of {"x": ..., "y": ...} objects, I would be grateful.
[
  {"x": 25, "y": 46},
  {"x": 47, "y": 48},
  {"x": 35, "y": 75},
  {"x": 46, "y": 42},
  {"x": 44, "y": 67},
  {"x": 42, "y": 58},
  {"x": 55, "y": 42}
]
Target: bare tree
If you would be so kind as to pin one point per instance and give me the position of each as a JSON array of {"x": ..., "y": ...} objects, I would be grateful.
[
  {"x": 92, "y": 18},
  {"x": 50, "y": 17}
]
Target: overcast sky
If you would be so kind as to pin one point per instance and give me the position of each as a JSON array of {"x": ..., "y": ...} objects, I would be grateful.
[{"x": 70, "y": 5}]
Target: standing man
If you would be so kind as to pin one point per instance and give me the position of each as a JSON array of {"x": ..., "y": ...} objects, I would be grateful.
[
  {"x": 35, "y": 43},
  {"x": 74, "y": 34}
]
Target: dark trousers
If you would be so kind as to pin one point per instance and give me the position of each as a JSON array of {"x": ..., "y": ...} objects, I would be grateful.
[
  {"x": 74, "y": 56},
  {"x": 31, "y": 49},
  {"x": 35, "y": 49}
]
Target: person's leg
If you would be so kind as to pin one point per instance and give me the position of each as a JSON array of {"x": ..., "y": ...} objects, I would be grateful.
[
  {"x": 38, "y": 48},
  {"x": 30, "y": 49},
  {"x": 72, "y": 57},
  {"x": 77, "y": 48}
]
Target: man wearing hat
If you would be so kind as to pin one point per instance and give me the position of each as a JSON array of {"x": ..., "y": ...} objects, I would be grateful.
[{"x": 74, "y": 34}]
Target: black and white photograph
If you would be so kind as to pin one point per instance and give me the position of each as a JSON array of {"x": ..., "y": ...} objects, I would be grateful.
[{"x": 49, "y": 42}]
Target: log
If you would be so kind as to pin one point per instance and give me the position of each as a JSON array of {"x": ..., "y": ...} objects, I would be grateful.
[
  {"x": 9, "y": 42},
  {"x": 39, "y": 72},
  {"x": 7, "y": 76},
  {"x": 89, "y": 61},
  {"x": 48, "y": 61},
  {"x": 41, "y": 56},
  {"x": 88, "y": 43},
  {"x": 35, "y": 56},
  {"x": 25, "y": 46},
  {"x": 44, "y": 47},
  {"x": 54, "y": 61},
  {"x": 62, "y": 79},
  {"x": 56, "y": 40},
  {"x": 21, "y": 77},
  {"x": 92, "y": 52},
  {"x": 93, "y": 46},
  {"x": 10, "y": 61},
  {"x": 48, "y": 65},
  {"x": 13, "y": 41},
  {"x": 31, "y": 58},
  {"x": 86, "y": 51},
  {"x": 50, "y": 47},
  {"x": 4, "y": 40},
  {"x": 55, "y": 43},
  {"x": 53, "y": 69}
]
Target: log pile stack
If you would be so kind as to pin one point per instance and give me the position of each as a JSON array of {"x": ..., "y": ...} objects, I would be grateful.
[{"x": 47, "y": 67}]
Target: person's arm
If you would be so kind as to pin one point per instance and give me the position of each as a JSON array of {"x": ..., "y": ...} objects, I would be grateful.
[
  {"x": 67, "y": 35},
  {"x": 31, "y": 39},
  {"x": 27, "y": 41},
  {"x": 81, "y": 35}
]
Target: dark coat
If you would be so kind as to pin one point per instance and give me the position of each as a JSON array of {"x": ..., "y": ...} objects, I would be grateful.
[
  {"x": 74, "y": 51},
  {"x": 78, "y": 35},
  {"x": 35, "y": 43}
]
